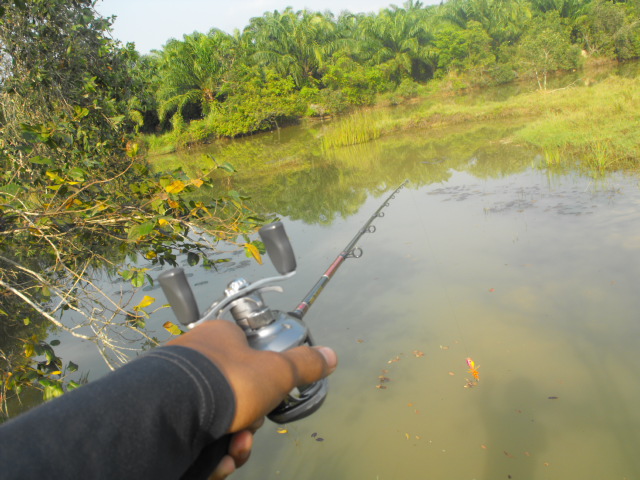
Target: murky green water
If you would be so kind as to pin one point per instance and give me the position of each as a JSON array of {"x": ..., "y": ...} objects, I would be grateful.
[{"x": 532, "y": 274}]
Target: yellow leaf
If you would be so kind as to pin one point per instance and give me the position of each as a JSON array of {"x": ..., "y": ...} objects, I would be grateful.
[
  {"x": 28, "y": 350},
  {"x": 145, "y": 302},
  {"x": 173, "y": 203},
  {"x": 162, "y": 222},
  {"x": 176, "y": 187},
  {"x": 172, "y": 328},
  {"x": 253, "y": 250},
  {"x": 57, "y": 372},
  {"x": 197, "y": 182},
  {"x": 282, "y": 430}
]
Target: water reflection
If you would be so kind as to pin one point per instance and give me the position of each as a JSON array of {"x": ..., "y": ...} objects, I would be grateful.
[
  {"x": 484, "y": 255},
  {"x": 533, "y": 279}
]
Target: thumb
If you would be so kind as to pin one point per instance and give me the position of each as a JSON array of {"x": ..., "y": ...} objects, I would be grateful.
[{"x": 310, "y": 364}]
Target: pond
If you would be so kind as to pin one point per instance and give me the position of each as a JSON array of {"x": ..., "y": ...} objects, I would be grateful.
[{"x": 485, "y": 254}]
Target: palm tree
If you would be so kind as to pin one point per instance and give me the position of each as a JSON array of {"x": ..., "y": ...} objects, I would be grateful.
[
  {"x": 190, "y": 72},
  {"x": 504, "y": 20},
  {"x": 293, "y": 43},
  {"x": 399, "y": 40}
]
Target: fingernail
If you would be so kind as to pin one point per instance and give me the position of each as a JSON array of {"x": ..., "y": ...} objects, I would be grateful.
[{"x": 330, "y": 357}]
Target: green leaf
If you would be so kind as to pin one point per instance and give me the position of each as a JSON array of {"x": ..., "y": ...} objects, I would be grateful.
[
  {"x": 126, "y": 274},
  {"x": 11, "y": 188},
  {"x": 72, "y": 367},
  {"x": 52, "y": 391},
  {"x": 227, "y": 167},
  {"x": 72, "y": 385},
  {"x": 138, "y": 231},
  {"x": 41, "y": 160},
  {"x": 193, "y": 258},
  {"x": 54, "y": 343},
  {"x": 77, "y": 174},
  {"x": 138, "y": 279}
]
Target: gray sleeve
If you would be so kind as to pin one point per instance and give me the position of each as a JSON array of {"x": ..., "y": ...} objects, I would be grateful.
[{"x": 160, "y": 416}]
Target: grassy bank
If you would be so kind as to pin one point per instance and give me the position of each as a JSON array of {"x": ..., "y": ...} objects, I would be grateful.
[{"x": 597, "y": 126}]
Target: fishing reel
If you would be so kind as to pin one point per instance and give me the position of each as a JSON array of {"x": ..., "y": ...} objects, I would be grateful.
[{"x": 266, "y": 329}]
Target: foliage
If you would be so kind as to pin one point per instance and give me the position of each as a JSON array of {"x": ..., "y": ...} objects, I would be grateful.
[
  {"x": 546, "y": 48},
  {"x": 334, "y": 64},
  {"x": 75, "y": 196},
  {"x": 610, "y": 30},
  {"x": 191, "y": 72},
  {"x": 257, "y": 100}
]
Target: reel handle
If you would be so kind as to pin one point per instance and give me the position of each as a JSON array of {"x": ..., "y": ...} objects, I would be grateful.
[
  {"x": 278, "y": 247},
  {"x": 179, "y": 294}
]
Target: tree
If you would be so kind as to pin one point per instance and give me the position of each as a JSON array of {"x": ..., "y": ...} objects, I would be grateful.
[
  {"x": 191, "y": 72},
  {"x": 398, "y": 40},
  {"x": 292, "y": 43},
  {"x": 610, "y": 30},
  {"x": 467, "y": 49},
  {"x": 75, "y": 197},
  {"x": 546, "y": 48}
]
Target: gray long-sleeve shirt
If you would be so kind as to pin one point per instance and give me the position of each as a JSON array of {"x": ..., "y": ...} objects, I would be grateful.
[{"x": 161, "y": 416}]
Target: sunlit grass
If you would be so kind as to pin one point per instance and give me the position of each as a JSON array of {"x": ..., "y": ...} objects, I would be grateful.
[
  {"x": 353, "y": 129},
  {"x": 597, "y": 127}
]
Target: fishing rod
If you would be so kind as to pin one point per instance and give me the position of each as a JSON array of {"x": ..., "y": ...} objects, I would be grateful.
[
  {"x": 268, "y": 329},
  {"x": 350, "y": 251}
]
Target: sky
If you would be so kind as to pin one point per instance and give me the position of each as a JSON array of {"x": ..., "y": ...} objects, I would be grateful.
[{"x": 150, "y": 23}]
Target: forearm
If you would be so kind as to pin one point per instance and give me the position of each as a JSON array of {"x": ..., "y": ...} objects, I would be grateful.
[{"x": 149, "y": 419}]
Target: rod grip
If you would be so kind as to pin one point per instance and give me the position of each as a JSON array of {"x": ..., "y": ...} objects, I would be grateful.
[
  {"x": 177, "y": 290},
  {"x": 278, "y": 247}
]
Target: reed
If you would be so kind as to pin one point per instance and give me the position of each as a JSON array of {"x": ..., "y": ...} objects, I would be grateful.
[{"x": 360, "y": 127}]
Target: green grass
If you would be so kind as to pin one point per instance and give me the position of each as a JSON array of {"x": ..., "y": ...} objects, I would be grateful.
[
  {"x": 597, "y": 127},
  {"x": 360, "y": 127}
]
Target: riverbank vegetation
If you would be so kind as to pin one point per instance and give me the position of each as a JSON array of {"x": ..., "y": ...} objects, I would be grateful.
[
  {"x": 596, "y": 127},
  {"x": 288, "y": 65},
  {"x": 78, "y": 199}
]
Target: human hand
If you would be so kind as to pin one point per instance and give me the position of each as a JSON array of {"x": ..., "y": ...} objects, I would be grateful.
[{"x": 260, "y": 380}]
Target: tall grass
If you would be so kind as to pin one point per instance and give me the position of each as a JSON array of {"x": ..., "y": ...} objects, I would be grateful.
[
  {"x": 360, "y": 127},
  {"x": 597, "y": 126}
]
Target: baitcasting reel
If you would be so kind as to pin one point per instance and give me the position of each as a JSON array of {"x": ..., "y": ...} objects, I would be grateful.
[{"x": 265, "y": 329}]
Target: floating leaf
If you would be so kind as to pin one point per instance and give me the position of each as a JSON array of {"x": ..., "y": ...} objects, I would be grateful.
[
  {"x": 54, "y": 343},
  {"x": 282, "y": 430},
  {"x": 314, "y": 434},
  {"x": 172, "y": 328},
  {"x": 319, "y": 439},
  {"x": 72, "y": 367}
]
